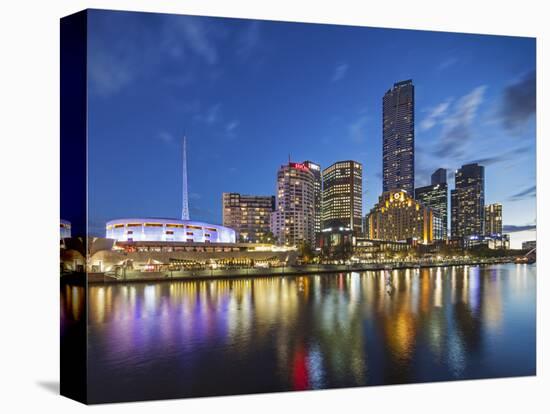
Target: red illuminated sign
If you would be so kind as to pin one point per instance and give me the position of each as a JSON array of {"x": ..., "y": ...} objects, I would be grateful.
[{"x": 298, "y": 166}]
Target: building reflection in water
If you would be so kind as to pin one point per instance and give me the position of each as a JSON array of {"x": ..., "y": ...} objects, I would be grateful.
[{"x": 270, "y": 334}]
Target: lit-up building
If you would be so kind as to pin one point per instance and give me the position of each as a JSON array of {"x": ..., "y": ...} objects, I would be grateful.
[
  {"x": 399, "y": 217},
  {"x": 493, "y": 218},
  {"x": 248, "y": 215},
  {"x": 317, "y": 193},
  {"x": 343, "y": 196},
  {"x": 492, "y": 241},
  {"x": 293, "y": 220},
  {"x": 64, "y": 229},
  {"x": 435, "y": 196},
  {"x": 468, "y": 201},
  {"x": 170, "y": 230},
  {"x": 140, "y": 229},
  {"x": 398, "y": 138}
]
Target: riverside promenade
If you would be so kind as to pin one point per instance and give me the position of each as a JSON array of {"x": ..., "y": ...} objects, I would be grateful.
[{"x": 132, "y": 276}]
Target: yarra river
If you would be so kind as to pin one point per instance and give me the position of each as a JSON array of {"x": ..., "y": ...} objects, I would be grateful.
[{"x": 217, "y": 337}]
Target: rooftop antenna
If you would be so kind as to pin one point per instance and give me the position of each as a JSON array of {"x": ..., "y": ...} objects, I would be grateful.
[{"x": 185, "y": 197}]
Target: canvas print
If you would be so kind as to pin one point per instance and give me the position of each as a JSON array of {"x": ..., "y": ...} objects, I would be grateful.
[{"x": 261, "y": 206}]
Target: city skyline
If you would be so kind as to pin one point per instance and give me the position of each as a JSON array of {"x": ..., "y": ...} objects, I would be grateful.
[{"x": 223, "y": 136}]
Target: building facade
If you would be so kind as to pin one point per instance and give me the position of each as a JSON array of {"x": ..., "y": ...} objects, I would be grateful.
[
  {"x": 167, "y": 230},
  {"x": 293, "y": 221},
  {"x": 399, "y": 217},
  {"x": 529, "y": 245},
  {"x": 317, "y": 194},
  {"x": 435, "y": 196},
  {"x": 468, "y": 201},
  {"x": 398, "y": 138},
  {"x": 493, "y": 218},
  {"x": 343, "y": 196},
  {"x": 249, "y": 216}
]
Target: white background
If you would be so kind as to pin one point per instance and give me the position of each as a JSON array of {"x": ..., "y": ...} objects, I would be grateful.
[{"x": 29, "y": 206}]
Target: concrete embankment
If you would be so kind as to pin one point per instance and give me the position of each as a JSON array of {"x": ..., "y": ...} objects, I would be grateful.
[{"x": 165, "y": 276}]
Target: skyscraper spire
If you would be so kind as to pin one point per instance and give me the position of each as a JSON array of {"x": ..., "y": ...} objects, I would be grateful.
[{"x": 185, "y": 197}]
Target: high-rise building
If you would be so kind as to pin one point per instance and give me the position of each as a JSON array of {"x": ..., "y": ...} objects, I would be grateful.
[
  {"x": 493, "y": 219},
  {"x": 468, "y": 201},
  {"x": 317, "y": 193},
  {"x": 435, "y": 196},
  {"x": 439, "y": 176},
  {"x": 293, "y": 221},
  {"x": 249, "y": 216},
  {"x": 399, "y": 217},
  {"x": 343, "y": 196},
  {"x": 398, "y": 138}
]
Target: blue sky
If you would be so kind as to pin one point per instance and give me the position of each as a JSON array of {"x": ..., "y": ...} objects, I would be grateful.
[{"x": 249, "y": 93}]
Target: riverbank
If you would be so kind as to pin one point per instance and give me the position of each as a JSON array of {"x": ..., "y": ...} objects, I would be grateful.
[{"x": 214, "y": 274}]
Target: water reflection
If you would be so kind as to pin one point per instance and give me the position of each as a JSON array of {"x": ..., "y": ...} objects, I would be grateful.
[{"x": 295, "y": 333}]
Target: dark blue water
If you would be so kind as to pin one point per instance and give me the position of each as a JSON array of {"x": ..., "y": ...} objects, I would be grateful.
[{"x": 182, "y": 339}]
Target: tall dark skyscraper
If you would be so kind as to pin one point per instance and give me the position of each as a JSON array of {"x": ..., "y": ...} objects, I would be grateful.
[
  {"x": 468, "y": 201},
  {"x": 439, "y": 176},
  {"x": 343, "y": 196},
  {"x": 398, "y": 138},
  {"x": 317, "y": 193}
]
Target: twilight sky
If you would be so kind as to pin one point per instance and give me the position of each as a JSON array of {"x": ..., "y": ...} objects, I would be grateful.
[{"x": 248, "y": 93}]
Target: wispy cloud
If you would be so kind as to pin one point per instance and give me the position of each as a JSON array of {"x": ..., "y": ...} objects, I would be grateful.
[
  {"x": 340, "y": 72},
  {"x": 518, "y": 103},
  {"x": 528, "y": 192},
  {"x": 249, "y": 39},
  {"x": 514, "y": 229},
  {"x": 435, "y": 115},
  {"x": 122, "y": 48},
  {"x": 357, "y": 129},
  {"x": 447, "y": 63},
  {"x": 210, "y": 116},
  {"x": 166, "y": 137},
  {"x": 456, "y": 132},
  {"x": 231, "y": 127},
  {"x": 503, "y": 156}
]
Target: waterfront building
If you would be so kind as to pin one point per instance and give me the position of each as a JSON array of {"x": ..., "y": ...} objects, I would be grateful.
[
  {"x": 435, "y": 196},
  {"x": 317, "y": 194},
  {"x": 468, "y": 201},
  {"x": 398, "y": 138},
  {"x": 529, "y": 245},
  {"x": 64, "y": 229},
  {"x": 370, "y": 249},
  {"x": 343, "y": 196},
  {"x": 337, "y": 243},
  {"x": 399, "y": 217},
  {"x": 168, "y": 229},
  {"x": 248, "y": 215},
  {"x": 493, "y": 218},
  {"x": 293, "y": 221},
  {"x": 490, "y": 241}
]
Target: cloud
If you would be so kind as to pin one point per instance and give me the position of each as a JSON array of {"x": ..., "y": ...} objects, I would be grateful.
[
  {"x": 447, "y": 63},
  {"x": 529, "y": 192},
  {"x": 518, "y": 103},
  {"x": 457, "y": 124},
  {"x": 435, "y": 115},
  {"x": 231, "y": 126},
  {"x": 340, "y": 72},
  {"x": 503, "y": 157},
  {"x": 357, "y": 130},
  {"x": 165, "y": 137},
  {"x": 194, "y": 196},
  {"x": 211, "y": 115},
  {"x": 514, "y": 229},
  {"x": 249, "y": 39},
  {"x": 124, "y": 47}
]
